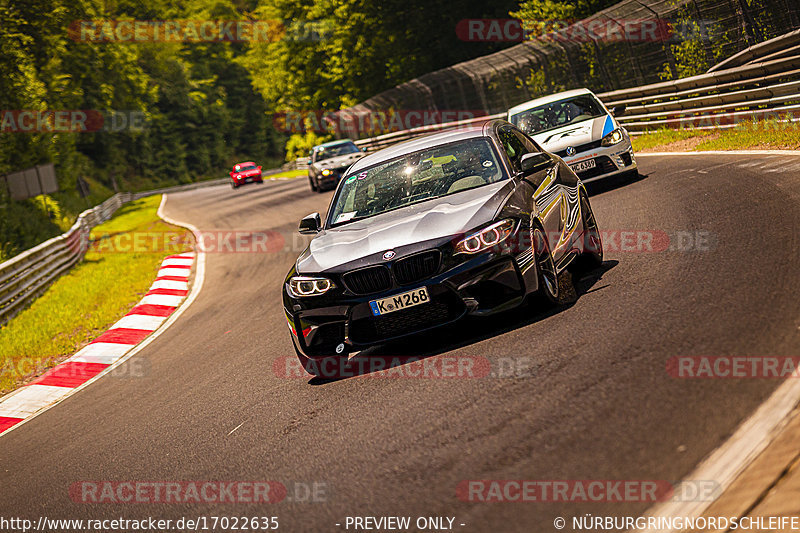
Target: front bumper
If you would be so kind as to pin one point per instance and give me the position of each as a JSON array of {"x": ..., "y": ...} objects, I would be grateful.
[
  {"x": 332, "y": 179},
  {"x": 484, "y": 285},
  {"x": 248, "y": 179},
  {"x": 609, "y": 161}
]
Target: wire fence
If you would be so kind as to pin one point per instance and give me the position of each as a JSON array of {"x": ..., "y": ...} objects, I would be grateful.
[
  {"x": 761, "y": 82},
  {"x": 692, "y": 36}
]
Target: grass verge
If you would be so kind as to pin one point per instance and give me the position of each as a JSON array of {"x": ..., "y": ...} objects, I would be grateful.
[
  {"x": 763, "y": 135},
  {"x": 288, "y": 174},
  {"x": 92, "y": 296}
]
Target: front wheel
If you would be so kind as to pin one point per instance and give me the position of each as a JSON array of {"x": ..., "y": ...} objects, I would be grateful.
[
  {"x": 313, "y": 185},
  {"x": 234, "y": 185},
  {"x": 547, "y": 294},
  {"x": 592, "y": 254}
]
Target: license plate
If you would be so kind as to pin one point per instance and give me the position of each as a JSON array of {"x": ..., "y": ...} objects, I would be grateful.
[
  {"x": 399, "y": 301},
  {"x": 580, "y": 166}
]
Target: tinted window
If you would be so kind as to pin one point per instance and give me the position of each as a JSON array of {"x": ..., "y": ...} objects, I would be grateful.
[
  {"x": 513, "y": 146},
  {"x": 556, "y": 114},
  {"x": 326, "y": 152},
  {"x": 530, "y": 144}
]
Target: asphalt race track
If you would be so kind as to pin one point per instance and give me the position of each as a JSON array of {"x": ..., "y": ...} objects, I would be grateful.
[{"x": 594, "y": 400}]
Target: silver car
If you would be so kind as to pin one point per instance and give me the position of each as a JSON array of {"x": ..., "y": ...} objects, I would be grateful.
[{"x": 576, "y": 126}]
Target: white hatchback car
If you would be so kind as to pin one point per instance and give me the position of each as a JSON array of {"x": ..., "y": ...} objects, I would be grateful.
[{"x": 577, "y": 127}]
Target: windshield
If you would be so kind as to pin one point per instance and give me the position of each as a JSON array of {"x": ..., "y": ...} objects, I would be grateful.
[
  {"x": 414, "y": 178},
  {"x": 240, "y": 168},
  {"x": 326, "y": 152},
  {"x": 556, "y": 114}
]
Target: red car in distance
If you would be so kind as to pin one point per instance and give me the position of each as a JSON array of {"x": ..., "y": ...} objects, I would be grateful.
[{"x": 245, "y": 173}]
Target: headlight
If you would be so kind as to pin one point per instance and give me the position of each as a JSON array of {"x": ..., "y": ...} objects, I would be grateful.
[
  {"x": 612, "y": 138},
  {"x": 326, "y": 172},
  {"x": 486, "y": 238},
  {"x": 301, "y": 286}
]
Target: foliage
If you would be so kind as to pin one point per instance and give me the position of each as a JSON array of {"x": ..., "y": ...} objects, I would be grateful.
[
  {"x": 336, "y": 53},
  {"x": 200, "y": 109},
  {"x": 551, "y": 10},
  {"x": 765, "y": 135},
  {"x": 300, "y": 144}
]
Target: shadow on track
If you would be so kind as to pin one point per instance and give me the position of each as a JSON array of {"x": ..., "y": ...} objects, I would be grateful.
[
  {"x": 596, "y": 188},
  {"x": 415, "y": 348}
]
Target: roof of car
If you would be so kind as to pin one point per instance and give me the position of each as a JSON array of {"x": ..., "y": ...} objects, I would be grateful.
[
  {"x": 245, "y": 163},
  {"x": 333, "y": 143},
  {"x": 548, "y": 99},
  {"x": 421, "y": 143}
]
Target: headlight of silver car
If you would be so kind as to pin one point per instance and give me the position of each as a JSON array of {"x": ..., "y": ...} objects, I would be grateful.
[
  {"x": 486, "y": 238},
  {"x": 326, "y": 172},
  {"x": 612, "y": 138},
  {"x": 302, "y": 286}
]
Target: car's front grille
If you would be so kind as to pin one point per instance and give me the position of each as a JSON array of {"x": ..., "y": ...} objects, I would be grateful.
[
  {"x": 416, "y": 267},
  {"x": 604, "y": 165},
  {"x": 580, "y": 148},
  {"x": 368, "y": 280},
  {"x": 406, "y": 321}
]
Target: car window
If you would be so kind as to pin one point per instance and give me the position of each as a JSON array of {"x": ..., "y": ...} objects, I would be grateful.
[
  {"x": 513, "y": 146},
  {"x": 327, "y": 152},
  {"x": 557, "y": 114},
  {"x": 530, "y": 144},
  {"x": 416, "y": 177}
]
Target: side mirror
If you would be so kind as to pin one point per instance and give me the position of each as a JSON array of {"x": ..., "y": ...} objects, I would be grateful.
[
  {"x": 310, "y": 225},
  {"x": 364, "y": 149},
  {"x": 534, "y": 162},
  {"x": 618, "y": 110}
]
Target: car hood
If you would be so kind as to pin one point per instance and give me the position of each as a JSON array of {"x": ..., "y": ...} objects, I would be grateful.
[
  {"x": 363, "y": 242},
  {"x": 575, "y": 134},
  {"x": 339, "y": 161}
]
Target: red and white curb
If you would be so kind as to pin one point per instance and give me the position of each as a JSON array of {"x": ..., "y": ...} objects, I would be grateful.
[{"x": 153, "y": 314}]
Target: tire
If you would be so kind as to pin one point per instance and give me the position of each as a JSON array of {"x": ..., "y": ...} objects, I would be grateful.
[
  {"x": 322, "y": 367},
  {"x": 234, "y": 185},
  {"x": 548, "y": 291},
  {"x": 592, "y": 246},
  {"x": 314, "y": 187}
]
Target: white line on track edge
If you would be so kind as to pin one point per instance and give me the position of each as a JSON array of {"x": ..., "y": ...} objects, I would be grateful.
[
  {"x": 721, "y": 152},
  {"x": 727, "y": 462},
  {"x": 194, "y": 292}
]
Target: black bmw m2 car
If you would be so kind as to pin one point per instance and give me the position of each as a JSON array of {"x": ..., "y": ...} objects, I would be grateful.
[{"x": 418, "y": 235}]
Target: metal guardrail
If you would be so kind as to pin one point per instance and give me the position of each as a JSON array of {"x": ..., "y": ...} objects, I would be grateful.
[
  {"x": 25, "y": 276},
  {"x": 762, "y": 84},
  {"x": 719, "y": 99}
]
